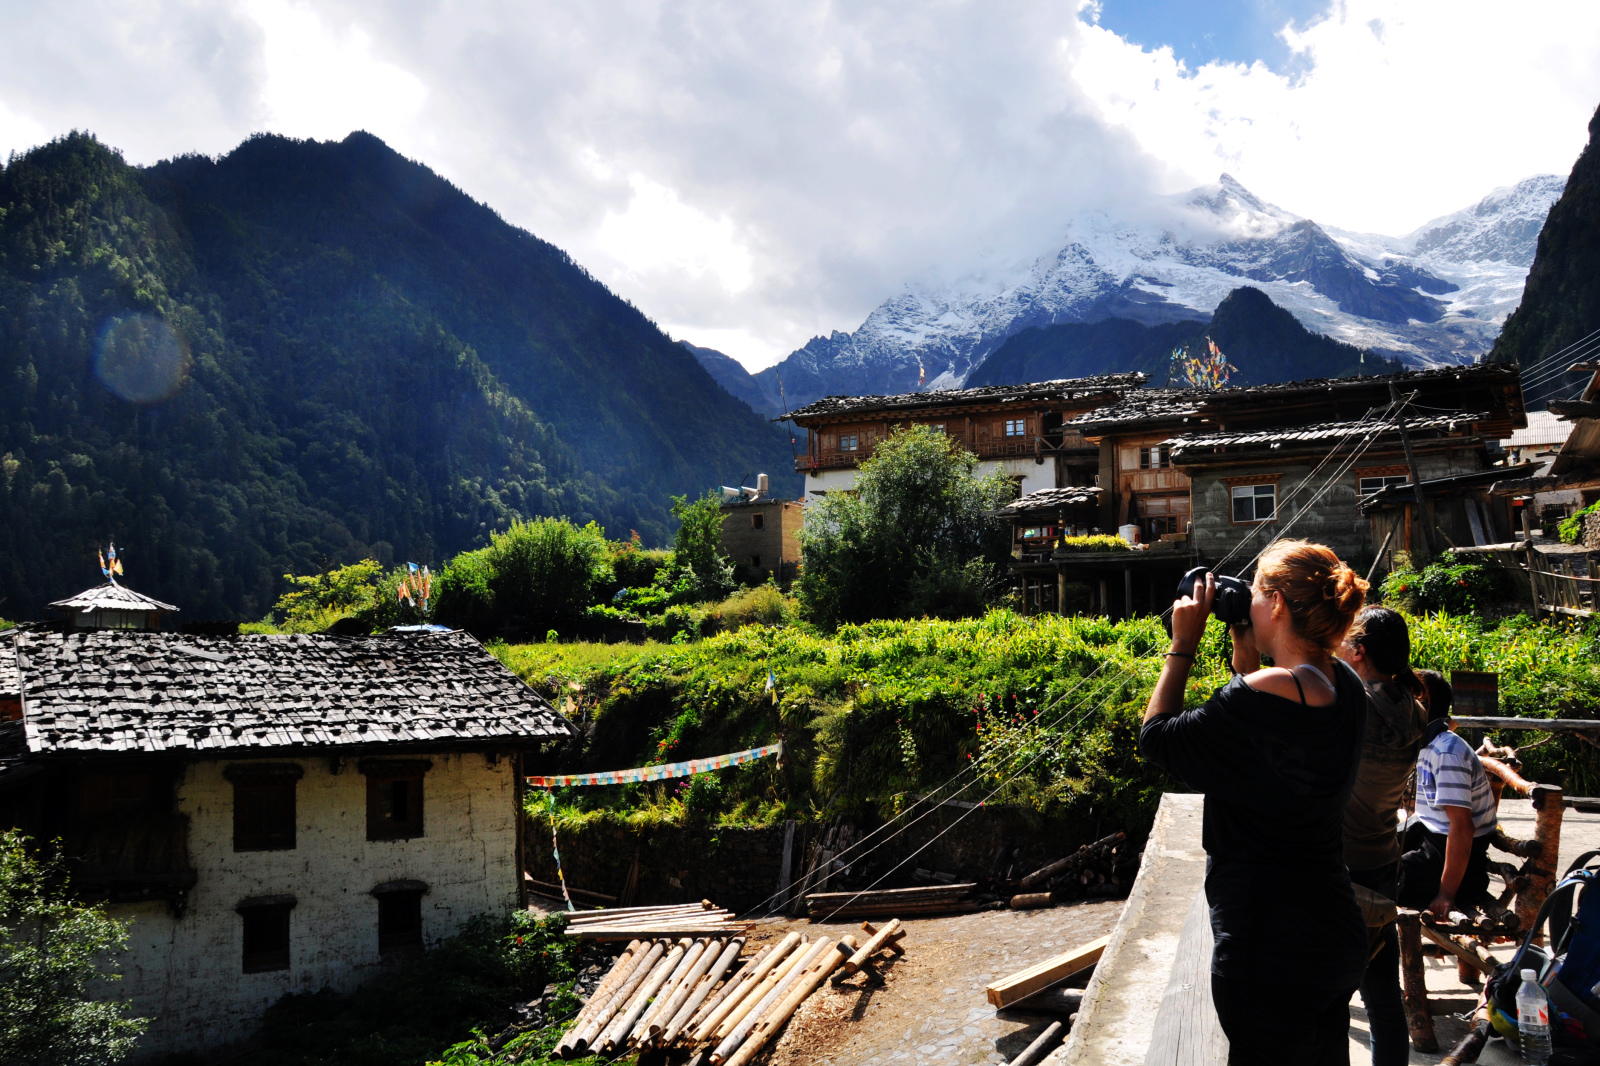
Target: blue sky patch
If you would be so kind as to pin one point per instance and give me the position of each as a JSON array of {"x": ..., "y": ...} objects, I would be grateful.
[{"x": 1234, "y": 31}]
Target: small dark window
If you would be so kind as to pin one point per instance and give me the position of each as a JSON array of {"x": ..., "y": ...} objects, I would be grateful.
[
  {"x": 266, "y": 936},
  {"x": 117, "y": 795},
  {"x": 758, "y": 521},
  {"x": 399, "y": 922},
  {"x": 755, "y": 562},
  {"x": 263, "y": 806},
  {"x": 394, "y": 799}
]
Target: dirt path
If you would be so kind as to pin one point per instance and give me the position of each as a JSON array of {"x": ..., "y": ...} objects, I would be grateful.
[{"x": 928, "y": 1005}]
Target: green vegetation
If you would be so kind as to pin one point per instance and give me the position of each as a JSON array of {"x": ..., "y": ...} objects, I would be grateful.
[
  {"x": 1046, "y": 707},
  {"x": 1446, "y": 585},
  {"x": 1571, "y": 527},
  {"x": 301, "y": 355},
  {"x": 450, "y": 998},
  {"x": 914, "y": 538},
  {"x": 51, "y": 954}
]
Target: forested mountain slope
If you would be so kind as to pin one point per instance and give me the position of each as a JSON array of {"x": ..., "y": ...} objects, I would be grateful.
[
  {"x": 1561, "y": 300},
  {"x": 311, "y": 351}
]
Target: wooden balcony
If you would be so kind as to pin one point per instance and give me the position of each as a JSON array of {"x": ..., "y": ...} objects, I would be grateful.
[
  {"x": 1018, "y": 447},
  {"x": 831, "y": 461}
]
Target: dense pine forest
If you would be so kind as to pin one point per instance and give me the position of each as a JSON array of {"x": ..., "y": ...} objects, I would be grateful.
[{"x": 308, "y": 353}]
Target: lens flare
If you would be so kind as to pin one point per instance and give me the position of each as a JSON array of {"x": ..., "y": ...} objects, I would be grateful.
[{"x": 140, "y": 358}]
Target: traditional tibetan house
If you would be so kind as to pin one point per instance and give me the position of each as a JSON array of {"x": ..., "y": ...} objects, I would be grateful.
[
  {"x": 1016, "y": 429},
  {"x": 275, "y": 813},
  {"x": 1205, "y": 476}
]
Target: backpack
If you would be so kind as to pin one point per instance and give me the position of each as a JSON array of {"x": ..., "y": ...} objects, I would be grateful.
[{"x": 1569, "y": 965}]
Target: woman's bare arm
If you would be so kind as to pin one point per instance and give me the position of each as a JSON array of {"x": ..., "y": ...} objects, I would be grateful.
[{"x": 1188, "y": 625}]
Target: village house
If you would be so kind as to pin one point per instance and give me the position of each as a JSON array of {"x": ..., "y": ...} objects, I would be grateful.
[
  {"x": 274, "y": 814},
  {"x": 1199, "y": 476},
  {"x": 1014, "y": 429},
  {"x": 761, "y": 534}
]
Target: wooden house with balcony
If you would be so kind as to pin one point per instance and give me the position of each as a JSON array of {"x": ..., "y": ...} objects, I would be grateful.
[
  {"x": 1016, "y": 429},
  {"x": 1204, "y": 476}
]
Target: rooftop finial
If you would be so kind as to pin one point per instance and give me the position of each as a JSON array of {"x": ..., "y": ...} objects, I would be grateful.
[{"x": 110, "y": 565}]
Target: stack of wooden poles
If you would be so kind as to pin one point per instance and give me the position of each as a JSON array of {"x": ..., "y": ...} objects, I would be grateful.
[
  {"x": 703, "y": 919},
  {"x": 934, "y": 899},
  {"x": 662, "y": 994},
  {"x": 1091, "y": 870}
]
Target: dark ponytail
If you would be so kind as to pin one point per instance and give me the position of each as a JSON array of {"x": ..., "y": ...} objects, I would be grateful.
[{"x": 1385, "y": 638}]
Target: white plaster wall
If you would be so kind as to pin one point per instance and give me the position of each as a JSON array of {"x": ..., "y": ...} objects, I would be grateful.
[
  {"x": 830, "y": 480},
  {"x": 1035, "y": 476},
  {"x": 185, "y": 974}
]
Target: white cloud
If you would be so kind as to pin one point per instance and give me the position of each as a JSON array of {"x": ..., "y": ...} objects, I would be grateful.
[
  {"x": 752, "y": 174},
  {"x": 1404, "y": 111}
]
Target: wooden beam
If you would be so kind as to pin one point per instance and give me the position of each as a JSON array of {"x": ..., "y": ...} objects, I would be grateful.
[
  {"x": 1041, "y": 975},
  {"x": 1570, "y": 409},
  {"x": 1478, "y": 961},
  {"x": 1542, "y": 725}
]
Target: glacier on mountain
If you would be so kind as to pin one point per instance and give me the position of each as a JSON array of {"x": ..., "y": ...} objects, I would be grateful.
[{"x": 1435, "y": 296}]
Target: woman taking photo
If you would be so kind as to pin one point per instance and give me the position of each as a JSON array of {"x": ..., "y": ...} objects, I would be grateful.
[{"x": 1275, "y": 751}]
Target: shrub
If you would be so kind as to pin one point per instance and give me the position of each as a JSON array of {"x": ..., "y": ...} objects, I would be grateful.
[
  {"x": 1446, "y": 585},
  {"x": 314, "y": 603},
  {"x": 762, "y": 605},
  {"x": 50, "y": 948},
  {"x": 463, "y": 593},
  {"x": 696, "y": 549},
  {"x": 536, "y": 575},
  {"x": 1571, "y": 528},
  {"x": 1097, "y": 542}
]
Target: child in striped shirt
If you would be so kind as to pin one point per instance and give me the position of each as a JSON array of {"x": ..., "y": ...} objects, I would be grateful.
[{"x": 1446, "y": 861}]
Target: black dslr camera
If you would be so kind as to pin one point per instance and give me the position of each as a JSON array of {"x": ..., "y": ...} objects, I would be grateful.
[{"x": 1232, "y": 602}]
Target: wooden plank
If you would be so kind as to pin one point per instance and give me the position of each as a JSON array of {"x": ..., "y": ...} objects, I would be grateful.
[
  {"x": 1008, "y": 990},
  {"x": 1187, "y": 1032},
  {"x": 1543, "y": 725},
  {"x": 886, "y": 894}
]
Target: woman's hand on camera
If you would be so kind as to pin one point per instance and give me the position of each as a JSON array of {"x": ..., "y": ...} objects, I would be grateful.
[{"x": 1189, "y": 614}]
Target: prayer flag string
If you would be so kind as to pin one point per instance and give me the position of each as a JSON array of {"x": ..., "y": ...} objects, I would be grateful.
[{"x": 660, "y": 772}]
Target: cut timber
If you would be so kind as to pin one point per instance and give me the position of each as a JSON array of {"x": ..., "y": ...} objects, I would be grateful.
[
  {"x": 774, "y": 994},
  {"x": 1025, "y": 983},
  {"x": 620, "y": 970},
  {"x": 1470, "y": 1046},
  {"x": 879, "y": 939},
  {"x": 555, "y": 890},
  {"x": 747, "y": 981},
  {"x": 1186, "y": 1030},
  {"x": 611, "y": 913},
  {"x": 733, "y": 983},
  {"x": 641, "y": 1028},
  {"x": 686, "y": 987},
  {"x": 1027, "y": 901},
  {"x": 779, "y": 1015},
  {"x": 1088, "y": 851},
  {"x": 691, "y": 1006},
  {"x": 615, "y": 1036},
  {"x": 1469, "y": 953},
  {"x": 620, "y": 997},
  {"x": 751, "y": 1005},
  {"x": 1539, "y": 875},
  {"x": 845, "y": 914},
  {"x": 1414, "y": 988},
  {"x": 1036, "y": 1050}
]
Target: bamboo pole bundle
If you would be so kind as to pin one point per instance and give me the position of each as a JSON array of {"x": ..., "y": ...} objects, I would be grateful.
[
  {"x": 736, "y": 1036},
  {"x": 737, "y": 981},
  {"x": 693, "y": 949},
  {"x": 619, "y": 972},
  {"x": 878, "y": 940},
  {"x": 691, "y": 1004},
  {"x": 893, "y": 895},
  {"x": 615, "y": 1036},
  {"x": 754, "y": 1000},
  {"x": 603, "y": 1014},
  {"x": 778, "y": 1016},
  {"x": 748, "y": 981},
  {"x": 675, "y": 991}
]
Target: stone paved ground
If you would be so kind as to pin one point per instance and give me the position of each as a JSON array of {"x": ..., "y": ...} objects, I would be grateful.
[{"x": 929, "y": 1005}]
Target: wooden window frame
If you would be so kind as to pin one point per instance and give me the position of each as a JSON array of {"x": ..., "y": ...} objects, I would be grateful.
[
  {"x": 1248, "y": 482},
  {"x": 253, "y": 783},
  {"x": 382, "y": 777},
  {"x": 853, "y": 438},
  {"x": 266, "y": 918},
  {"x": 1021, "y": 428},
  {"x": 758, "y": 521},
  {"x": 400, "y": 916}
]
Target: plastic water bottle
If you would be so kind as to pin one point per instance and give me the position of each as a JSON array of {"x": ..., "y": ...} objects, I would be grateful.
[{"x": 1533, "y": 1019}]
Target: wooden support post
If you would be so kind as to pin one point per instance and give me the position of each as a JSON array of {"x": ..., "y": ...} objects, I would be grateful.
[
  {"x": 1127, "y": 590},
  {"x": 1416, "y": 478},
  {"x": 1414, "y": 987},
  {"x": 1533, "y": 566},
  {"x": 1035, "y": 1051},
  {"x": 1061, "y": 592},
  {"x": 1540, "y": 871}
]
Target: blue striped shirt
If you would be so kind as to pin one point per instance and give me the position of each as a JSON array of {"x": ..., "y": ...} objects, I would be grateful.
[{"x": 1450, "y": 775}]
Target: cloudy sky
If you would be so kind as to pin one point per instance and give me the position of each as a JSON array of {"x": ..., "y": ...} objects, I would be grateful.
[{"x": 753, "y": 173}]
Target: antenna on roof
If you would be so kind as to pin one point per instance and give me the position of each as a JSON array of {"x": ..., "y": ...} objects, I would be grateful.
[{"x": 110, "y": 565}]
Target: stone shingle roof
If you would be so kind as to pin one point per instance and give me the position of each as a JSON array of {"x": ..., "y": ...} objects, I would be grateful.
[
  {"x": 1038, "y": 391},
  {"x": 1051, "y": 500},
  {"x": 112, "y": 597},
  {"x": 111, "y": 691},
  {"x": 1278, "y": 437}
]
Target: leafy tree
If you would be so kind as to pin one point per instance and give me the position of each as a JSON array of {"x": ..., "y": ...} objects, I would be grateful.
[
  {"x": 697, "y": 548},
  {"x": 536, "y": 575},
  {"x": 913, "y": 538},
  {"x": 314, "y": 602},
  {"x": 51, "y": 954}
]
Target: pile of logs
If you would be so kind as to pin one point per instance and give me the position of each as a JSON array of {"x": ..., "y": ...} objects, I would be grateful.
[
  {"x": 703, "y": 919},
  {"x": 691, "y": 994},
  {"x": 1097, "y": 869},
  {"x": 932, "y": 899}
]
